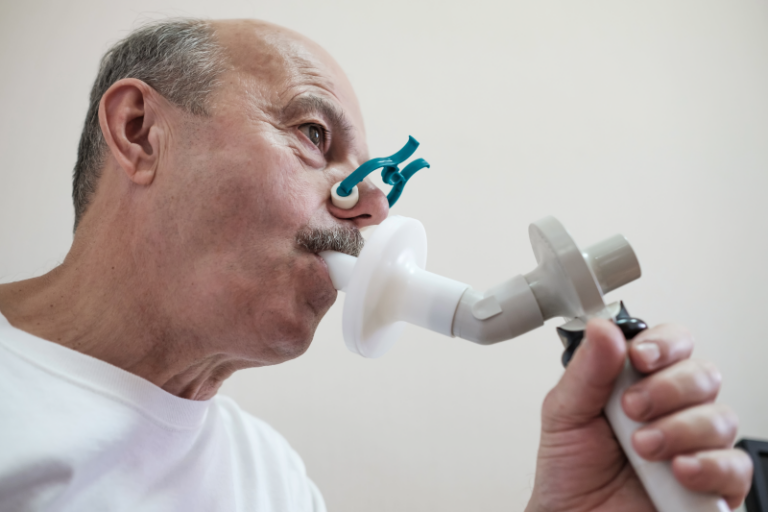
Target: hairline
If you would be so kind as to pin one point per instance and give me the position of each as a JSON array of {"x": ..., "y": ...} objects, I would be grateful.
[{"x": 192, "y": 88}]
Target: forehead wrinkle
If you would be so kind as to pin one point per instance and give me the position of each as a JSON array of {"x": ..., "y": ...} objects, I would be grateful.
[
  {"x": 278, "y": 65},
  {"x": 299, "y": 66},
  {"x": 268, "y": 88}
]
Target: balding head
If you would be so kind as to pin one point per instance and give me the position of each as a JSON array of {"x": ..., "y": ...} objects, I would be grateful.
[
  {"x": 275, "y": 65},
  {"x": 217, "y": 213},
  {"x": 277, "y": 59},
  {"x": 184, "y": 60},
  {"x": 202, "y": 192}
]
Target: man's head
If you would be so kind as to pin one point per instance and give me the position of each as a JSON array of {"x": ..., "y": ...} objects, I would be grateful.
[{"x": 209, "y": 173}]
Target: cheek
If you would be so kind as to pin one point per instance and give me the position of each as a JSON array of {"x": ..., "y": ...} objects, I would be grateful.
[
  {"x": 302, "y": 289},
  {"x": 275, "y": 192},
  {"x": 284, "y": 315},
  {"x": 314, "y": 287},
  {"x": 232, "y": 205},
  {"x": 296, "y": 194},
  {"x": 235, "y": 218}
]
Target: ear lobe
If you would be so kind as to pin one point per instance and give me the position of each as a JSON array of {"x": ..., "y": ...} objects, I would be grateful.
[{"x": 129, "y": 122}]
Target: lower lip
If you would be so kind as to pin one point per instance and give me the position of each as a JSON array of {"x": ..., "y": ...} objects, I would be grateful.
[{"x": 324, "y": 265}]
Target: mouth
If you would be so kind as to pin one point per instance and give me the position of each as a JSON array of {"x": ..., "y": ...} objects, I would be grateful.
[
  {"x": 323, "y": 264},
  {"x": 324, "y": 271},
  {"x": 345, "y": 239}
]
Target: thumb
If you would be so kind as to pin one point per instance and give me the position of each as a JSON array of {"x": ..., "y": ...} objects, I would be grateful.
[{"x": 588, "y": 380}]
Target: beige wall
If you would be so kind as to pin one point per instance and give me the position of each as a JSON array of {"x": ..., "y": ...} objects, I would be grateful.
[{"x": 646, "y": 118}]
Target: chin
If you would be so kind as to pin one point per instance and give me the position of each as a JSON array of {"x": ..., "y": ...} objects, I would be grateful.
[
  {"x": 287, "y": 332},
  {"x": 289, "y": 343},
  {"x": 311, "y": 291},
  {"x": 285, "y": 351},
  {"x": 284, "y": 323}
]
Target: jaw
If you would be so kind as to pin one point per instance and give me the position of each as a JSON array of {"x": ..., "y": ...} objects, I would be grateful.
[{"x": 263, "y": 314}]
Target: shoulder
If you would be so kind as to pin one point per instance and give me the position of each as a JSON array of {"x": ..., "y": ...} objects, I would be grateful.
[
  {"x": 246, "y": 427},
  {"x": 260, "y": 448}
]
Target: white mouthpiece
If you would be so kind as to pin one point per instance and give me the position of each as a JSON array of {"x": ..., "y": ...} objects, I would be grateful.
[
  {"x": 387, "y": 287},
  {"x": 340, "y": 268}
]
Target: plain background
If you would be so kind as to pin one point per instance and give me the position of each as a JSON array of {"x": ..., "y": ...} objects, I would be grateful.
[{"x": 648, "y": 118}]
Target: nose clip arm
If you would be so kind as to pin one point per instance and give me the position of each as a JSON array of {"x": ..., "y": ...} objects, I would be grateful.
[{"x": 345, "y": 195}]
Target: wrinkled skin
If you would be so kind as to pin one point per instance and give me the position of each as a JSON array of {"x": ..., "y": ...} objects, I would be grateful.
[
  {"x": 185, "y": 268},
  {"x": 580, "y": 464}
]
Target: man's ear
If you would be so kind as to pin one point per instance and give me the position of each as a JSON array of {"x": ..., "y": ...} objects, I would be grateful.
[{"x": 132, "y": 127}]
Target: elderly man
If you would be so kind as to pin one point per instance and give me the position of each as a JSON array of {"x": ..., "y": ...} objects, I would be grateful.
[{"x": 202, "y": 198}]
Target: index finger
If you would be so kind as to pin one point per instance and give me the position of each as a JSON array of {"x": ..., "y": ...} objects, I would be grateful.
[{"x": 660, "y": 346}]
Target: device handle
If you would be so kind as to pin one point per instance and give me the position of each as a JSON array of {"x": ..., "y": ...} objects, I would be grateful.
[{"x": 666, "y": 493}]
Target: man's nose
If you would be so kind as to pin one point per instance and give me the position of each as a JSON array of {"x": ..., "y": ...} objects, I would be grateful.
[{"x": 371, "y": 208}]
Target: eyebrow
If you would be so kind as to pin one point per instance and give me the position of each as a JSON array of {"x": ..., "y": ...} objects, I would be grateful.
[{"x": 313, "y": 104}]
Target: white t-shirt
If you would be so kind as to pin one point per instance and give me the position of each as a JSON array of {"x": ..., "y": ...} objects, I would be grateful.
[{"x": 78, "y": 434}]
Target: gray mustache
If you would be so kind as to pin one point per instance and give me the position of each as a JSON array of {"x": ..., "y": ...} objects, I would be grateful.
[{"x": 340, "y": 239}]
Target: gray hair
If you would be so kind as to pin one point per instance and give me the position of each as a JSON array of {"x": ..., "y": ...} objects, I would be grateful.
[
  {"x": 179, "y": 58},
  {"x": 346, "y": 239}
]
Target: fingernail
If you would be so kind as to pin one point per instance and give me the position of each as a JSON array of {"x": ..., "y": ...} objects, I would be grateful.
[
  {"x": 648, "y": 441},
  {"x": 649, "y": 352},
  {"x": 687, "y": 464},
  {"x": 637, "y": 403}
]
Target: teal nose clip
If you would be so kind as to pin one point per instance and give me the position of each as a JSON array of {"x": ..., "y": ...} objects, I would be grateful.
[{"x": 345, "y": 194}]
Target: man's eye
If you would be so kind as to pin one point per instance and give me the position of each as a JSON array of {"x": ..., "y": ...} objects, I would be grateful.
[{"x": 315, "y": 133}]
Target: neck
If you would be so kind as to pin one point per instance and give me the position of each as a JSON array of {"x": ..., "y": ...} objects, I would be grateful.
[{"x": 99, "y": 302}]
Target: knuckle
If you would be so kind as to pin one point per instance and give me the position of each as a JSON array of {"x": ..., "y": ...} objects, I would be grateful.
[
  {"x": 744, "y": 470},
  {"x": 727, "y": 472},
  {"x": 712, "y": 371},
  {"x": 682, "y": 332},
  {"x": 725, "y": 422},
  {"x": 674, "y": 341},
  {"x": 722, "y": 466},
  {"x": 736, "y": 468},
  {"x": 707, "y": 377}
]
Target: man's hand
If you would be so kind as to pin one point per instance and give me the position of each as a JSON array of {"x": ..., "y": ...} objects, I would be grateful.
[{"x": 581, "y": 465}]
